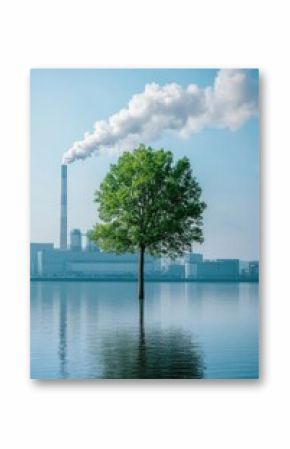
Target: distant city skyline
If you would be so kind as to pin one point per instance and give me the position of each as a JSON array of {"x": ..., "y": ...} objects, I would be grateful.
[
  {"x": 89, "y": 262},
  {"x": 66, "y": 103}
]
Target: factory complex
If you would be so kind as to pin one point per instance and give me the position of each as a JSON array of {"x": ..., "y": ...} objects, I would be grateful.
[{"x": 86, "y": 261}]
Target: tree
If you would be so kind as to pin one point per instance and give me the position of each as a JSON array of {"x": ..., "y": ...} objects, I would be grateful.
[{"x": 148, "y": 204}]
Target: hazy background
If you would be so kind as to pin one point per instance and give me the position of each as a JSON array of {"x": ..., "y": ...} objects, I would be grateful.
[{"x": 66, "y": 103}]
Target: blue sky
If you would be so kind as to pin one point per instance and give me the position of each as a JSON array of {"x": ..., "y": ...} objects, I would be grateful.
[{"x": 66, "y": 103}]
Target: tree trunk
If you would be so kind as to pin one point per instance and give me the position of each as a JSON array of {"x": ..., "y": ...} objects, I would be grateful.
[
  {"x": 141, "y": 323},
  {"x": 141, "y": 272}
]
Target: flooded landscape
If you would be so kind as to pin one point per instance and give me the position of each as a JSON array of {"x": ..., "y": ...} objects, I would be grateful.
[{"x": 95, "y": 330}]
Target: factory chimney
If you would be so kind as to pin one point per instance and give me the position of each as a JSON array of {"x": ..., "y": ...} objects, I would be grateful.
[{"x": 63, "y": 208}]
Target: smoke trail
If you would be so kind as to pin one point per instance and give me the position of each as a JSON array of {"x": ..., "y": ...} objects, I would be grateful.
[{"x": 229, "y": 103}]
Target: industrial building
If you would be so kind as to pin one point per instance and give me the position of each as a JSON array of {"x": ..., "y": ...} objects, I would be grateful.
[
  {"x": 73, "y": 263},
  {"x": 249, "y": 270},
  {"x": 219, "y": 269},
  {"x": 35, "y": 250},
  {"x": 88, "y": 262},
  {"x": 76, "y": 261}
]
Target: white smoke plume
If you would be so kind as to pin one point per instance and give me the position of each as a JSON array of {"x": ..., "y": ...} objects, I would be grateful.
[{"x": 229, "y": 103}]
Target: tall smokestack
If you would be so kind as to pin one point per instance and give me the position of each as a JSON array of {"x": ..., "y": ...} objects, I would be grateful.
[{"x": 63, "y": 209}]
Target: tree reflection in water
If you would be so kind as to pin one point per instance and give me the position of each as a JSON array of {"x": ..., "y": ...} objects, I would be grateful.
[{"x": 156, "y": 354}]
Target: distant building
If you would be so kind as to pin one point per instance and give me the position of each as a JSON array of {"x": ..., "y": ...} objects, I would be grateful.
[
  {"x": 220, "y": 269},
  {"x": 90, "y": 245},
  {"x": 254, "y": 268},
  {"x": 193, "y": 258},
  {"x": 191, "y": 263},
  {"x": 51, "y": 262},
  {"x": 78, "y": 262},
  {"x": 75, "y": 240},
  {"x": 176, "y": 271},
  {"x": 35, "y": 251},
  {"x": 249, "y": 270}
]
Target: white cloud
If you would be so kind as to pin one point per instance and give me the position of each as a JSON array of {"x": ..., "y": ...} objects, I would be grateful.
[{"x": 229, "y": 103}]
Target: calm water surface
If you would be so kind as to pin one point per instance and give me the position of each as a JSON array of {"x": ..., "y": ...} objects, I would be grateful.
[{"x": 83, "y": 330}]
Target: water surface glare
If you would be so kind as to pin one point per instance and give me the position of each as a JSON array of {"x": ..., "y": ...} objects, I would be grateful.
[{"x": 88, "y": 330}]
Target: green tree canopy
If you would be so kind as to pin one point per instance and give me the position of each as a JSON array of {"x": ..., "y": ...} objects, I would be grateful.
[{"x": 148, "y": 203}]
